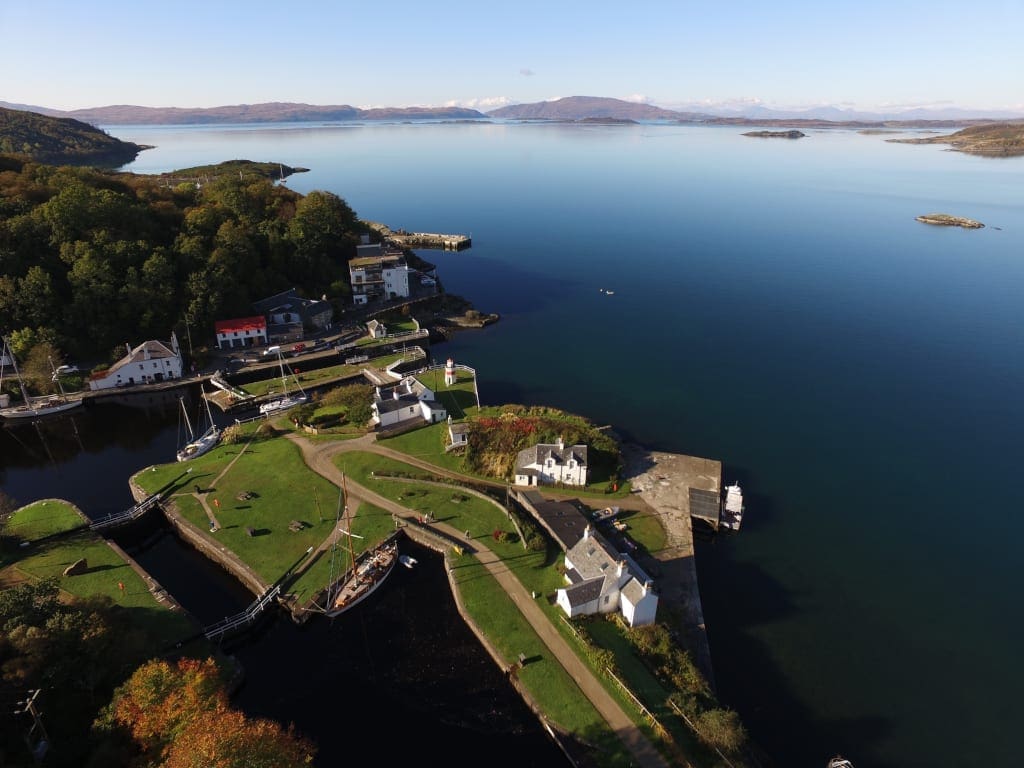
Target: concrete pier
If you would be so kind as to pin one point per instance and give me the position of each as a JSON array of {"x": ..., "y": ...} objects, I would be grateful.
[
  {"x": 426, "y": 240},
  {"x": 665, "y": 481}
]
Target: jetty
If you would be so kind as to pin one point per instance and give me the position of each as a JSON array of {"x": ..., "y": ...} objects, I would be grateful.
[{"x": 425, "y": 240}]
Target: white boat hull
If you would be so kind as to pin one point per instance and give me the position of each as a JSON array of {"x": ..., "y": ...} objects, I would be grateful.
[
  {"x": 36, "y": 412},
  {"x": 198, "y": 447},
  {"x": 283, "y": 404}
]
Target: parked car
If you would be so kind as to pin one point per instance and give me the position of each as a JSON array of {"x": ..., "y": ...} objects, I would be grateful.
[{"x": 66, "y": 369}]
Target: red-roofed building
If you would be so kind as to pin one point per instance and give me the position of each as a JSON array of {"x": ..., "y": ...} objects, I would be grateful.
[{"x": 241, "y": 332}]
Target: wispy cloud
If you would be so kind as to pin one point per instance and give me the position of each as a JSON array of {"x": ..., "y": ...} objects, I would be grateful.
[
  {"x": 637, "y": 98},
  {"x": 527, "y": 72}
]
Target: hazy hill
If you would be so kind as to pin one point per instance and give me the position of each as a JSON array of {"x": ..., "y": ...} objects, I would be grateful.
[
  {"x": 271, "y": 112},
  {"x": 583, "y": 107},
  {"x": 992, "y": 140},
  {"x": 61, "y": 140}
]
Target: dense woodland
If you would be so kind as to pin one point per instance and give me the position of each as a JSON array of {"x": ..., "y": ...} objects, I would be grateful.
[
  {"x": 91, "y": 259},
  {"x": 61, "y": 140}
]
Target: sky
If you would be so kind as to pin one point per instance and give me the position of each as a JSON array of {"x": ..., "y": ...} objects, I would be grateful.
[{"x": 69, "y": 54}]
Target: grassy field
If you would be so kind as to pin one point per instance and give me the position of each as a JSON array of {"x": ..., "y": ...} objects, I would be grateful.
[
  {"x": 43, "y": 518},
  {"x": 105, "y": 572},
  {"x": 448, "y": 504},
  {"x": 545, "y": 679},
  {"x": 283, "y": 488}
]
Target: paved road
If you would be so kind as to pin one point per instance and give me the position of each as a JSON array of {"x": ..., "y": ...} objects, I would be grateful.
[{"x": 319, "y": 458}]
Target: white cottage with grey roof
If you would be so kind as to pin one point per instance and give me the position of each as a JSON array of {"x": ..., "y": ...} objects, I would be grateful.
[
  {"x": 601, "y": 580},
  {"x": 150, "y": 362},
  {"x": 551, "y": 464},
  {"x": 409, "y": 399}
]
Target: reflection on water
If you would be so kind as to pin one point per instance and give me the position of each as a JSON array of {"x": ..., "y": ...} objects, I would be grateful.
[{"x": 401, "y": 663}]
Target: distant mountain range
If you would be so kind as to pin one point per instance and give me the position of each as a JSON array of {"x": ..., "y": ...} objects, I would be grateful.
[
  {"x": 584, "y": 107},
  {"x": 570, "y": 108},
  {"x": 272, "y": 112}
]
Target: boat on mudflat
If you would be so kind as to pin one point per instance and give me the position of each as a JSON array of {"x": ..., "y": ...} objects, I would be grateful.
[{"x": 361, "y": 582}]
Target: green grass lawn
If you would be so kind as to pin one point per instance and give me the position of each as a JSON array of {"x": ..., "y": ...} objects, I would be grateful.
[
  {"x": 43, "y": 518},
  {"x": 285, "y": 489},
  {"x": 448, "y": 504},
  {"x": 306, "y": 379},
  {"x": 106, "y": 569},
  {"x": 545, "y": 679}
]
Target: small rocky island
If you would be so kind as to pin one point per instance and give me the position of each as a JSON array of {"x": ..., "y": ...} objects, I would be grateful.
[
  {"x": 946, "y": 220},
  {"x": 793, "y": 134}
]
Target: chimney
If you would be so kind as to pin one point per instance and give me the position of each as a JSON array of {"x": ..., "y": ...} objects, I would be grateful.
[
  {"x": 561, "y": 443},
  {"x": 394, "y": 393},
  {"x": 621, "y": 568},
  {"x": 586, "y": 532},
  {"x": 128, "y": 347},
  {"x": 647, "y": 586}
]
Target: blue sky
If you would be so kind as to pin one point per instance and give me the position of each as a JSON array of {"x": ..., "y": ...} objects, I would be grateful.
[{"x": 70, "y": 54}]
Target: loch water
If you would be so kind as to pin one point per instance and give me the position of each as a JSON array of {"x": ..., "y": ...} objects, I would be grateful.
[{"x": 769, "y": 303}]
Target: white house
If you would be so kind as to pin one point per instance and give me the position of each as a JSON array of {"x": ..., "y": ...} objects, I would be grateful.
[
  {"x": 241, "y": 332},
  {"x": 378, "y": 277},
  {"x": 458, "y": 434},
  {"x": 149, "y": 362},
  {"x": 376, "y": 329},
  {"x": 601, "y": 580},
  {"x": 549, "y": 464},
  {"x": 408, "y": 399}
]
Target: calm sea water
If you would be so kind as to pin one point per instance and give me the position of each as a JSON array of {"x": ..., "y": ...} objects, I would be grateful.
[{"x": 776, "y": 307}]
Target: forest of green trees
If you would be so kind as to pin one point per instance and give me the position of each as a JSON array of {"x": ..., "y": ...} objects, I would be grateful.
[{"x": 92, "y": 259}]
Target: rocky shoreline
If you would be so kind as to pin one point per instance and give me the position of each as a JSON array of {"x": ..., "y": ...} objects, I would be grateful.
[{"x": 947, "y": 220}]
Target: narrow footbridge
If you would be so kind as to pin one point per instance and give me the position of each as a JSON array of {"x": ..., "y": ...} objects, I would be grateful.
[
  {"x": 245, "y": 619},
  {"x": 126, "y": 516}
]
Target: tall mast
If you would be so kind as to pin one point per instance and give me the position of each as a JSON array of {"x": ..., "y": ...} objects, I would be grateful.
[
  {"x": 56, "y": 378},
  {"x": 17, "y": 373},
  {"x": 188, "y": 424},
  {"x": 348, "y": 517},
  {"x": 284, "y": 381}
]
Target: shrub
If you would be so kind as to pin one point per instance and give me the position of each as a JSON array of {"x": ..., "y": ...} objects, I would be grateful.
[
  {"x": 721, "y": 728},
  {"x": 232, "y": 434}
]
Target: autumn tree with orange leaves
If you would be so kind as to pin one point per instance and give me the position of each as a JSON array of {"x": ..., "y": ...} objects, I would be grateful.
[{"x": 178, "y": 716}]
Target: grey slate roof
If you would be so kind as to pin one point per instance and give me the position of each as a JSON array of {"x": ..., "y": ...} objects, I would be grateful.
[
  {"x": 633, "y": 591},
  {"x": 539, "y": 453},
  {"x": 585, "y": 592}
]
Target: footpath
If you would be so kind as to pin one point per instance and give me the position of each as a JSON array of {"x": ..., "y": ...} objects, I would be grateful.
[{"x": 318, "y": 456}]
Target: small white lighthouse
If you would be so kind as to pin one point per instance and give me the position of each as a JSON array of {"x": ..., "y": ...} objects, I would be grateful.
[{"x": 449, "y": 372}]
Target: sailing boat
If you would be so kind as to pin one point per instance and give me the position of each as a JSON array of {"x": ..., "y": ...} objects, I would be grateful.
[
  {"x": 197, "y": 446},
  {"x": 363, "y": 578},
  {"x": 33, "y": 407},
  {"x": 286, "y": 400}
]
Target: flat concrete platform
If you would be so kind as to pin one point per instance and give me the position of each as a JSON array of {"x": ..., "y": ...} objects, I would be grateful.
[{"x": 664, "y": 481}]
